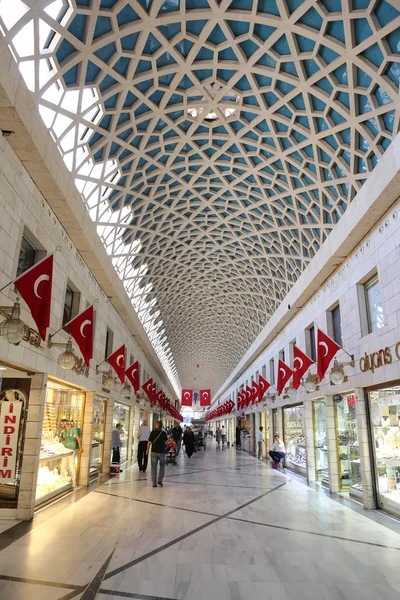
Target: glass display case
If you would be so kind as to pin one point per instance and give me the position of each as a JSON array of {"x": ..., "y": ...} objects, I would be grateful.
[
  {"x": 385, "y": 417},
  {"x": 98, "y": 429},
  {"x": 348, "y": 447},
  {"x": 60, "y": 441},
  {"x": 320, "y": 442},
  {"x": 121, "y": 414},
  {"x": 294, "y": 438}
]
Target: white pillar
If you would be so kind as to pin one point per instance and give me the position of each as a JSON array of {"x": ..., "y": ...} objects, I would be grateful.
[
  {"x": 108, "y": 436},
  {"x": 331, "y": 436},
  {"x": 31, "y": 448},
  {"x": 87, "y": 431},
  {"x": 309, "y": 434}
]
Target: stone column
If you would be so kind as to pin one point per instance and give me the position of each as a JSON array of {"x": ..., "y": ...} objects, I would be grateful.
[
  {"x": 331, "y": 438},
  {"x": 31, "y": 448},
  {"x": 84, "y": 470},
  {"x": 310, "y": 446},
  {"x": 366, "y": 460},
  {"x": 108, "y": 436},
  {"x": 132, "y": 441}
]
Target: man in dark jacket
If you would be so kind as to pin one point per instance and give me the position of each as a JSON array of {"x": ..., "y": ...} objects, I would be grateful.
[{"x": 177, "y": 435}]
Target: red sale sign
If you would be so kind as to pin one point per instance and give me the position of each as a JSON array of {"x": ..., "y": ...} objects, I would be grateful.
[{"x": 10, "y": 419}]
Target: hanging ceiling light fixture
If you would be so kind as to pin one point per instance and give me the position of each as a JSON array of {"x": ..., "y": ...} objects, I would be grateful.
[
  {"x": 67, "y": 360},
  {"x": 311, "y": 383},
  {"x": 12, "y": 327},
  {"x": 126, "y": 388},
  {"x": 337, "y": 374},
  {"x": 291, "y": 392},
  {"x": 108, "y": 379}
]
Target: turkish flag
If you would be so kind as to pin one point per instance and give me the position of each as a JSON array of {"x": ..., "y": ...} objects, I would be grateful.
[
  {"x": 160, "y": 398},
  {"x": 148, "y": 388},
  {"x": 254, "y": 391},
  {"x": 205, "y": 398},
  {"x": 187, "y": 397},
  {"x": 248, "y": 395},
  {"x": 263, "y": 385},
  {"x": 301, "y": 363},
  {"x": 284, "y": 374},
  {"x": 35, "y": 287},
  {"x": 117, "y": 361},
  {"x": 81, "y": 328},
  {"x": 239, "y": 400},
  {"x": 326, "y": 350},
  {"x": 133, "y": 375}
]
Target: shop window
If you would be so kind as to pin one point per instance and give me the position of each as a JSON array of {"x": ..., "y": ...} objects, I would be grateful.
[
  {"x": 294, "y": 438},
  {"x": 71, "y": 304},
  {"x": 373, "y": 304},
  {"x": 272, "y": 371},
  {"x": 310, "y": 343},
  {"x": 121, "y": 415},
  {"x": 28, "y": 256},
  {"x": 109, "y": 342},
  {"x": 335, "y": 324},
  {"x": 321, "y": 446},
  {"x": 385, "y": 418},
  {"x": 348, "y": 446},
  {"x": 98, "y": 433},
  {"x": 59, "y": 458}
]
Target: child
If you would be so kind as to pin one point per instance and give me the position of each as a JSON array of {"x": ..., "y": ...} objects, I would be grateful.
[{"x": 171, "y": 444}]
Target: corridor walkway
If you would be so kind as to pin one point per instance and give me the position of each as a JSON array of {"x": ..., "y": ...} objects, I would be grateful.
[{"x": 223, "y": 527}]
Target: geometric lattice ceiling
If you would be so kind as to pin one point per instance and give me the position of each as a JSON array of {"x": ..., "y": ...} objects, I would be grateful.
[{"x": 215, "y": 143}]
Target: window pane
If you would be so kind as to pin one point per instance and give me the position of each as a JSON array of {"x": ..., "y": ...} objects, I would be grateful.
[
  {"x": 69, "y": 298},
  {"x": 337, "y": 326},
  {"x": 313, "y": 354},
  {"x": 374, "y": 306},
  {"x": 27, "y": 256}
]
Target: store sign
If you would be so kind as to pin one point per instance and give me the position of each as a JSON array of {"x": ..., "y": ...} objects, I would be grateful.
[
  {"x": 10, "y": 419},
  {"x": 375, "y": 360}
]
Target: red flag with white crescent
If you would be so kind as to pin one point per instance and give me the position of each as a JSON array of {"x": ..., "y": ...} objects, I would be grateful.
[
  {"x": 205, "y": 398},
  {"x": 35, "y": 287},
  {"x": 284, "y": 374},
  {"x": 81, "y": 328},
  {"x": 248, "y": 395},
  {"x": 117, "y": 361},
  {"x": 187, "y": 397},
  {"x": 254, "y": 392},
  {"x": 133, "y": 375},
  {"x": 301, "y": 363},
  {"x": 326, "y": 350},
  {"x": 148, "y": 388},
  {"x": 263, "y": 385}
]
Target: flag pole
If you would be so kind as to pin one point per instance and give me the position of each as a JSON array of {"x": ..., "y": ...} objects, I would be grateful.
[{"x": 7, "y": 284}]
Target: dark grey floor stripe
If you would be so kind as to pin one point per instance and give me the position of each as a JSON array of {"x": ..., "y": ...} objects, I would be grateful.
[
  {"x": 94, "y": 586},
  {"x": 316, "y": 533},
  {"x": 44, "y": 583},
  {"x": 132, "y": 595},
  {"x": 198, "y": 512}
]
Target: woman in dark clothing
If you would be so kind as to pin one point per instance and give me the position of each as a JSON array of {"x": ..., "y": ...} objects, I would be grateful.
[
  {"x": 189, "y": 441},
  {"x": 238, "y": 439}
]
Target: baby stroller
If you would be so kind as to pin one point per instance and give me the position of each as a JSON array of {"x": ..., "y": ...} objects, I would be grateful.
[{"x": 170, "y": 457}]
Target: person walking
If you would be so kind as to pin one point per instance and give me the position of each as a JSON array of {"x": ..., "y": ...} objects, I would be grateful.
[
  {"x": 177, "y": 435},
  {"x": 156, "y": 442},
  {"x": 223, "y": 435},
  {"x": 116, "y": 445},
  {"x": 218, "y": 435},
  {"x": 260, "y": 442},
  {"x": 277, "y": 451},
  {"x": 189, "y": 440},
  {"x": 143, "y": 437}
]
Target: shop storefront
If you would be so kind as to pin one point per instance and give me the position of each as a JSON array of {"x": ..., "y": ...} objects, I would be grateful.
[
  {"x": 98, "y": 433},
  {"x": 275, "y": 425},
  {"x": 266, "y": 432},
  {"x": 294, "y": 438},
  {"x": 320, "y": 442},
  {"x": 59, "y": 458},
  {"x": 347, "y": 445},
  {"x": 384, "y": 407},
  {"x": 121, "y": 415},
  {"x": 14, "y": 394}
]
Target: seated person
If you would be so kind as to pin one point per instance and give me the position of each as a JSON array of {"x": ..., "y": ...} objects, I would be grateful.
[
  {"x": 277, "y": 451},
  {"x": 171, "y": 444}
]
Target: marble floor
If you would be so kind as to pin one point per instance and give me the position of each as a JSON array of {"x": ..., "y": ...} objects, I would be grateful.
[{"x": 224, "y": 526}]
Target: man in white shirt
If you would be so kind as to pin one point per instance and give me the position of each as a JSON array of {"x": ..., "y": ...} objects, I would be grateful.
[
  {"x": 143, "y": 437},
  {"x": 277, "y": 451}
]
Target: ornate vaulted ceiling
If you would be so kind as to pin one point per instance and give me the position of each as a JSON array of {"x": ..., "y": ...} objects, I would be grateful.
[{"x": 215, "y": 143}]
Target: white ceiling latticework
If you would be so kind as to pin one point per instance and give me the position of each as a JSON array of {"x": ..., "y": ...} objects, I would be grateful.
[{"x": 216, "y": 144}]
